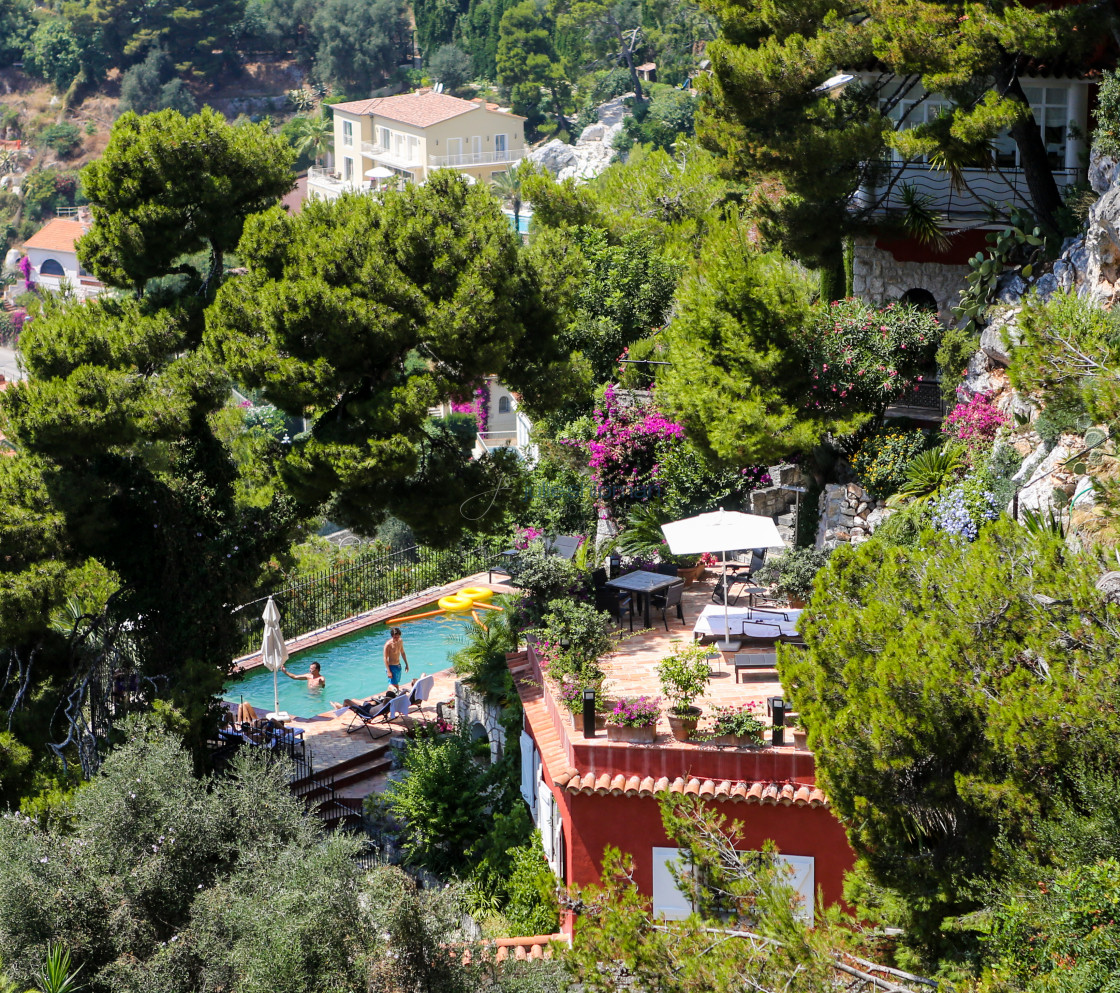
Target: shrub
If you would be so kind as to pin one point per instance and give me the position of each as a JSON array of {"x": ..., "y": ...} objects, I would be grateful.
[
  {"x": 964, "y": 510},
  {"x": 684, "y": 676},
  {"x": 741, "y": 721},
  {"x": 1106, "y": 139},
  {"x": 62, "y": 139},
  {"x": 958, "y": 345},
  {"x": 266, "y": 419},
  {"x": 637, "y": 712},
  {"x": 450, "y": 66},
  {"x": 975, "y": 422},
  {"x": 583, "y": 632},
  {"x": 1064, "y": 413},
  {"x": 791, "y": 574},
  {"x": 543, "y": 578},
  {"x": 531, "y": 906},
  {"x": 928, "y": 473},
  {"x": 881, "y": 461},
  {"x": 862, "y": 358}
]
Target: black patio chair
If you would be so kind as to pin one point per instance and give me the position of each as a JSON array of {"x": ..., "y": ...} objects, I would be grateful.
[
  {"x": 669, "y": 600},
  {"x": 365, "y": 714}
]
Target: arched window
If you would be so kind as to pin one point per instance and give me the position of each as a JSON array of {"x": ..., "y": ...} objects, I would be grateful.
[
  {"x": 51, "y": 267},
  {"x": 922, "y": 299},
  {"x": 503, "y": 405}
]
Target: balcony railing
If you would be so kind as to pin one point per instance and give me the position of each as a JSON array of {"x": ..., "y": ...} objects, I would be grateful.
[
  {"x": 464, "y": 159},
  {"x": 1003, "y": 188}
]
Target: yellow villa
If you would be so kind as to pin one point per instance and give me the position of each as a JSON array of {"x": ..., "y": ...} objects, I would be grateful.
[{"x": 411, "y": 134}]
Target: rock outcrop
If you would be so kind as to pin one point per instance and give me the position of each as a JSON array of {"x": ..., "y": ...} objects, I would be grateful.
[
  {"x": 591, "y": 153},
  {"x": 848, "y": 514}
]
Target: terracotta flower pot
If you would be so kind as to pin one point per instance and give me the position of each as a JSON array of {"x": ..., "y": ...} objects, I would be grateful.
[
  {"x": 795, "y": 603},
  {"x": 691, "y": 574},
  {"x": 644, "y": 735},
  {"x": 684, "y": 726},
  {"x": 800, "y": 738},
  {"x": 736, "y": 741}
]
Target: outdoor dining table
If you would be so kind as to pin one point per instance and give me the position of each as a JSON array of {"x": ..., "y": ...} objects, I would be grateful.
[{"x": 644, "y": 584}]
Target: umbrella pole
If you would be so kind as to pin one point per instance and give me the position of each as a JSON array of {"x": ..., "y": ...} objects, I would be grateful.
[
  {"x": 275, "y": 694},
  {"x": 728, "y": 645}
]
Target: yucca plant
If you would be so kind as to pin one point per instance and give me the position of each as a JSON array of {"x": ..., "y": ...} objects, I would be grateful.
[
  {"x": 927, "y": 474},
  {"x": 642, "y": 536}
]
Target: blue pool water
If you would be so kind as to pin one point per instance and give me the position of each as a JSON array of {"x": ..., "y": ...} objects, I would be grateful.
[
  {"x": 353, "y": 665},
  {"x": 522, "y": 221}
]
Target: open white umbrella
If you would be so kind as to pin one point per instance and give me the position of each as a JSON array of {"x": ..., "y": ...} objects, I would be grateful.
[
  {"x": 721, "y": 531},
  {"x": 378, "y": 172},
  {"x": 274, "y": 652}
]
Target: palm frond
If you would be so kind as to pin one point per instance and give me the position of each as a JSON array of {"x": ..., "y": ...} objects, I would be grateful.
[{"x": 920, "y": 220}]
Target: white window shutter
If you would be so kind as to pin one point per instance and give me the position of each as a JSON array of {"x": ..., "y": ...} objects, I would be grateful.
[
  {"x": 545, "y": 803},
  {"x": 528, "y": 772}
]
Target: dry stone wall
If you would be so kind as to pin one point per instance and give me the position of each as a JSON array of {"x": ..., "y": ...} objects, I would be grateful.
[
  {"x": 881, "y": 279},
  {"x": 848, "y": 514}
]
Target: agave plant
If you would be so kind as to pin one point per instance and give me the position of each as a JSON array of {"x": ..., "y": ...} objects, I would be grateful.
[{"x": 927, "y": 474}]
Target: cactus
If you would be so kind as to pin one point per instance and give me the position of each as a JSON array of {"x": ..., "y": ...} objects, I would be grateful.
[{"x": 1095, "y": 437}]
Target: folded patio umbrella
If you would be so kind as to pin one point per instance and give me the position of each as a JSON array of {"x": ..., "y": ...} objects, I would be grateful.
[
  {"x": 274, "y": 652},
  {"x": 721, "y": 531}
]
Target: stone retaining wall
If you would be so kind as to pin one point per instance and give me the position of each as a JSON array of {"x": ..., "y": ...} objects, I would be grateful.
[
  {"x": 848, "y": 514},
  {"x": 881, "y": 279}
]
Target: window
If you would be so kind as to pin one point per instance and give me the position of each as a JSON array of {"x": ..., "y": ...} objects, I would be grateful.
[
  {"x": 503, "y": 405},
  {"x": 413, "y": 148},
  {"x": 1050, "y": 106},
  {"x": 454, "y": 151},
  {"x": 348, "y": 132},
  {"x": 476, "y": 149},
  {"x": 671, "y": 903},
  {"x": 51, "y": 267},
  {"x": 501, "y": 148},
  {"x": 384, "y": 138},
  {"x": 348, "y": 169}
]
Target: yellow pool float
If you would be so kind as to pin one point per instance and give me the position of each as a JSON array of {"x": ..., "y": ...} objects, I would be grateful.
[
  {"x": 477, "y": 593},
  {"x": 456, "y": 603}
]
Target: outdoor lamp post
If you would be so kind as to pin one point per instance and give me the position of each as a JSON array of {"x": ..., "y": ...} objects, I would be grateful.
[
  {"x": 778, "y": 717},
  {"x": 589, "y": 713}
]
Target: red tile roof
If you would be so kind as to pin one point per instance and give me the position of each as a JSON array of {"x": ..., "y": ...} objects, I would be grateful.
[
  {"x": 554, "y": 756},
  {"x": 57, "y": 235},
  {"x": 417, "y": 109},
  {"x": 535, "y": 947}
]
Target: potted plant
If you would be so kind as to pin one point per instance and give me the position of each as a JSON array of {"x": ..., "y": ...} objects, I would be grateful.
[
  {"x": 797, "y": 730},
  {"x": 684, "y": 677},
  {"x": 739, "y": 727},
  {"x": 791, "y": 574},
  {"x": 570, "y": 697},
  {"x": 634, "y": 720}
]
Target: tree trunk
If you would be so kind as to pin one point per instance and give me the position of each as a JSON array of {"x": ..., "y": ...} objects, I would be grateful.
[
  {"x": 628, "y": 54},
  {"x": 1045, "y": 198}
]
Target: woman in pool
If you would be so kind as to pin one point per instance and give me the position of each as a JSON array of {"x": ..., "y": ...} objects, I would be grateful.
[{"x": 315, "y": 679}]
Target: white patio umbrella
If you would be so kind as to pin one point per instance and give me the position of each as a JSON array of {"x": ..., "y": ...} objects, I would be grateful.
[
  {"x": 274, "y": 652},
  {"x": 721, "y": 531},
  {"x": 379, "y": 172}
]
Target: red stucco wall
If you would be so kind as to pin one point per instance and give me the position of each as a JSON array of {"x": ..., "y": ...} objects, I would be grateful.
[{"x": 633, "y": 824}]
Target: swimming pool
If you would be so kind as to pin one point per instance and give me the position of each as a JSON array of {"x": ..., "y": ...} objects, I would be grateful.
[{"x": 353, "y": 665}]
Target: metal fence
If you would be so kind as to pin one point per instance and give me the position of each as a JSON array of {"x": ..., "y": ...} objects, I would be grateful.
[{"x": 371, "y": 580}]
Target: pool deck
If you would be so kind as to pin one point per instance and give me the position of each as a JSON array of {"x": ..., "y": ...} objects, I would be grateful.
[
  {"x": 376, "y": 616},
  {"x": 325, "y": 734}
]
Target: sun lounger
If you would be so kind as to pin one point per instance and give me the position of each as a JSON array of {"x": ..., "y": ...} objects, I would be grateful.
[
  {"x": 421, "y": 690},
  {"x": 752, "y": 661},
  {"x": 367, "y": 713}
]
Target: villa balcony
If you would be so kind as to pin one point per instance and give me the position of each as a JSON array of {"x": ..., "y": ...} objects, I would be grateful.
[
  {"x": 463, "y": 160},
  {"x": 325, "y": 185},
  {"x": 1001, "y": 188}
]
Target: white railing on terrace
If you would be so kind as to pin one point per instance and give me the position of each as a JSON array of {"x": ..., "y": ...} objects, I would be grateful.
[
  {"x": 474, "y": 158},
  {"x": 372, "y": 148},
  {"x": 497, "y": 439},
  {"x": 981, "y": 187}
]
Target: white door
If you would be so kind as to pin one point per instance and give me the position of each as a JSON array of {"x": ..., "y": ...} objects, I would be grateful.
[
  {"x": 501, "y": 148},
  {"x": 476, "y": 149},
  {"x": 454, "y": 151}
]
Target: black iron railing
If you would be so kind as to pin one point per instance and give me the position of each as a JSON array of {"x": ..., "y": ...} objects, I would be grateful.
[{"x": 371, "y": 580}]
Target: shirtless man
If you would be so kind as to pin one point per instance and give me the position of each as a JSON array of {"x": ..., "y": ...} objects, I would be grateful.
[
  {"x": 315, "y": 679},
  {"x": 394, "y": 654}
]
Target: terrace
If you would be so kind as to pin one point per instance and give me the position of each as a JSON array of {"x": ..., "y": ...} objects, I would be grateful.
[{"x": 596, "y": 764}]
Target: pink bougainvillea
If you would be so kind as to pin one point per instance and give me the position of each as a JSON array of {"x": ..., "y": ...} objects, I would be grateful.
[
  {"x": 25, "y": 271},
  {"x": 524, "y": 536},
  {"x": 975, "y": 421},
  {"x": 478, "y": 405},
  {"x": 624, "y": 453}
]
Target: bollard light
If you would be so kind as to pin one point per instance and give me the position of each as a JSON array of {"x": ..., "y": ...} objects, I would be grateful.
[
  {"x": 778, "y": 719},
  {"x": 589, "y": 713}
]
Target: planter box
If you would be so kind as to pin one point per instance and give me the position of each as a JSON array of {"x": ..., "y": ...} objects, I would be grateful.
[
  {"x": 600, "y": 721},
  {"x": 645, "y": 735},
  {"x": 737, "y": 741},
  {"x": 799, "y": 739}
]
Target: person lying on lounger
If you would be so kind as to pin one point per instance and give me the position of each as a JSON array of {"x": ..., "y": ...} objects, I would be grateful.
[{"x": 315, "y": 679}]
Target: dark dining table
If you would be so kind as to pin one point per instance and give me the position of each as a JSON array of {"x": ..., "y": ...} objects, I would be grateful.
[{"x": 644, "y": 584}]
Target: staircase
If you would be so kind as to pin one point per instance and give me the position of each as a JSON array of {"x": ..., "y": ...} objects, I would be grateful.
[{"x": 318, "y": 791}]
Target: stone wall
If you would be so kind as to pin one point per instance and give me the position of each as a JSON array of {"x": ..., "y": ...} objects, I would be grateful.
[
  {"x": 848, "y": 514},
  {"x": 472, "y": 708},
  {"x": 878, "y": 278}
]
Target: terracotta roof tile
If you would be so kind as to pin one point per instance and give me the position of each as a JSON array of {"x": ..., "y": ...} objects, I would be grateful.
[
  {"x": 57, "y": 235},
  {"x": 765, "y": 792},
  {"x": 418, "y": 109}
]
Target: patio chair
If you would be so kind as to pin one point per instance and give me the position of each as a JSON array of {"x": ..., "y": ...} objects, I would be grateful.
[
  {"x": 670, "y": 599},
  {"x": 421, "y": 690},
  {"x": 399, "y": 707},
  {"x": 731, "y": 580},
  {"x": 366, "y": 714},
  {"x": 564, "y": 546},
  {"x": 615, "y": 602}
]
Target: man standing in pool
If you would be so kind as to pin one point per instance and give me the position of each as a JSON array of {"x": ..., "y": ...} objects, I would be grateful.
[
  {"x": 394, "y": 655},
  {"x": 315, "y": 679}
]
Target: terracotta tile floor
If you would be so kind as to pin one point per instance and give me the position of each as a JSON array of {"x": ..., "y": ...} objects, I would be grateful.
[{"x": 632, "y": 670}]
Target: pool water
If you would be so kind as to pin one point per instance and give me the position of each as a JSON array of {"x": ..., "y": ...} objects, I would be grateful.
[{"x": 353, "y": 665}]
